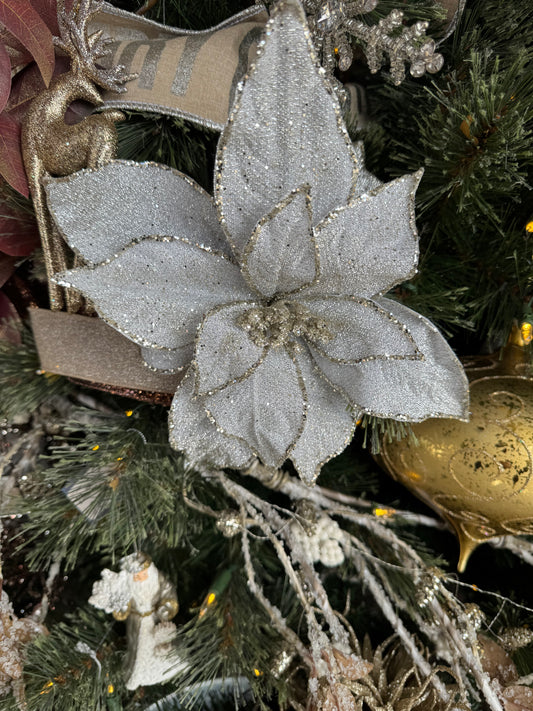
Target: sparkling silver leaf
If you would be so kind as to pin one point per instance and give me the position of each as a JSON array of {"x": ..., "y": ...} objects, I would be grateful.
[
  {"x": 366, "y": 181},
  {"x": 281, "y": 255},
  {"x": 99, "y": 212},
  {"x": 412, "y": 390},
  {"x": 157, "y": 292},
  {"x": 285, "y": 130},
  {"x": 266, "y": 410},
  {"x": 224, "y": 350},
  {"x": 361, "y": 330},
  {"x": 192, "y": 432},
  {"x": 369, "y": 246},
  {"x": 171, "y": 360},
  {"x": 329, "y": 422}
]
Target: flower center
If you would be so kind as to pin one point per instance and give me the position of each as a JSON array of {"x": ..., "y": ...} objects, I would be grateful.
[{"x": 277, "y": 324}]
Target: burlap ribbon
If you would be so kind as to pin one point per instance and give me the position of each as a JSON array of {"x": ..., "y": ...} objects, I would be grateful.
[
  {"x": 88, "y": 349},
  {"x": 182, "y": 73},
  {"x": 190, "y": 74}
]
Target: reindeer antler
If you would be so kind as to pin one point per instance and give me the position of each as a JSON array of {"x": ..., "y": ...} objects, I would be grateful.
[{"x": 85, "y": 49}]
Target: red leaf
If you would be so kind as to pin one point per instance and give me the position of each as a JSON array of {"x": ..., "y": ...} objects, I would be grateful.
[
  {"x": 18, "y": 53},
  {"x": 20, "y": 18},
  {"x": 11, "y": 165},
  {"x": 24, "y": 87},
  {"x": 7, "y": 310},
  {"x": 27, "y": 84},
  {"x": 18, "y": 232},
  {"x": 7, "y": 267},
  {"x": 5, "y": 76},
  {"x": 47, "y": 9}
]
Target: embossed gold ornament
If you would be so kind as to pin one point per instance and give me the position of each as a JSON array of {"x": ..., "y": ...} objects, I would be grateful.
[
  {"x": 477, "y": 475},
  {"x": 52, "y": 147}
]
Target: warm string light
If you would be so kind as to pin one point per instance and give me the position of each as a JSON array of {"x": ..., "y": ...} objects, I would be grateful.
[
  {"x": 384, "y": 513},
  {"x": 217, "y": 589},
  {"x": 209, "y": 601},
  {"x": 526, "y": 331},
  {"x": 115, "y": 481},
  {"x": 47, "y": 687}
]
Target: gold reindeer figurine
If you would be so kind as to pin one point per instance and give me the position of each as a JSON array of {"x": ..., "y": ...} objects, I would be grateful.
[{"x": 52, "y": 147}]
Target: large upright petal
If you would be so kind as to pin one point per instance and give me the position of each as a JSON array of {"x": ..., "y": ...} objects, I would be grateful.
[
  {"x": 157, "y": 292},
  {"x": 281, "y": 255},
  {"x": 405, "y": 389},
  {"x": 285, "y": 130},
  {"x": 99, "y": 212},
  {"x": 192, "y": 432},
  {"x": 369, "y": 246},
  {"x": 267, "y": 410},
  {"x": 329, "y": 422}
]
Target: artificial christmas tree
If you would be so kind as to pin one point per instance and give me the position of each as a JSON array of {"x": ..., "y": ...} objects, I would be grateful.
[{"x": 281, "y": 315}]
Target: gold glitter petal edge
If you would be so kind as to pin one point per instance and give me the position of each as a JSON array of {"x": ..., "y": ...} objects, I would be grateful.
[
  {"x": 173, "y": 426},
  {"x": 417, "y": 355},
  {"x": 140, "y": 340},
  {"x": 306, "y": 189},
  {"x": 416, "y": 178},
  {"x": 437, "y": 414},
  {"x": 153, "y": 238},
  {"x": 305, "y": 397},
  {"x": 48, "y": 183},
  {"x": 194, "y": 363},
  {"x": 291, "y": 446},
  {"x": 349, "y": 437}
]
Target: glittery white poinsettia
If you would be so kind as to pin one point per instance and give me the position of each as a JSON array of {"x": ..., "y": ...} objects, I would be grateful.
[{"x": 276, "y": 303}]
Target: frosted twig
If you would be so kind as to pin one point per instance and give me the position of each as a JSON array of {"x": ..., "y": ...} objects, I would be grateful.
[
  {"x": 469, "y": 660},
  {"x": 275, "y": 615},
  {"x": 522, "y": 549},
  {"x": 455, "y": 640},
  {"x": 464, "y": 652},
  {"x": 400, "y": 629},
  {"x": 525, "y": 680},
  {"x": 41, "y": 611}
]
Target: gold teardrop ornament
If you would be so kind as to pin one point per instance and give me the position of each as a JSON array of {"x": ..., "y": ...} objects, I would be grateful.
[{"x": 477, "y": 474}]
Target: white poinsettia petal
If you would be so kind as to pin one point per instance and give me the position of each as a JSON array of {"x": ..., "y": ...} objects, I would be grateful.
[
  {"x": 156, "y": 292},
  {"x": 224, "y": 350},
  {"x": 285, "y": 130},
  {"x": 169, "y": 360},
  {"x": 329, "y": 423},
  {"x": 193, "y": 433},
  {"x": 99, "y": 212},
  {"x": 366, "y": 182},
  {"x": 267, "y": 410},
  {"x": 360, "y": 330},
  {"x": 411, "y": 390},
  {"x": 281, "y": 255},
  {"x": 369, "y": 246}
]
